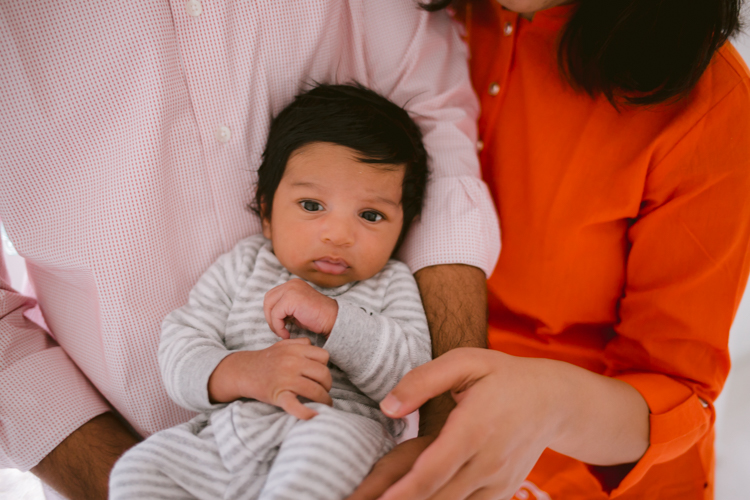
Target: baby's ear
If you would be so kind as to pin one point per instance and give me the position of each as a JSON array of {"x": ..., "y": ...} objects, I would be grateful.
[{"x": 265, "y": 221}]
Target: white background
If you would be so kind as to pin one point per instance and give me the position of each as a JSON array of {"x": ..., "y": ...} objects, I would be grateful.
[{"x": 733, "y": 406}]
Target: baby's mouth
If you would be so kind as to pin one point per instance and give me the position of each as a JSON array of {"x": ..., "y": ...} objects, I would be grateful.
[{"x": 330, "y": 265}]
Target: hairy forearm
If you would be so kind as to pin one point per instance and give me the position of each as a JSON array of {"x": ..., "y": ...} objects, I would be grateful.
[
  {"x": 79, "y": 467},
  {"x": 455, "y": 301},
  {"x": 604, "y": 421}
]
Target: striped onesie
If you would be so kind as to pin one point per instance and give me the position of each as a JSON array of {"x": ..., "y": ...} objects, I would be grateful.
[{"x": 247, "y": 449}]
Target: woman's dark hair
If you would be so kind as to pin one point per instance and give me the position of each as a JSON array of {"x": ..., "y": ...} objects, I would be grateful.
[
  {"x": 355, "y": 117},
  {"x": 640, "y": 51}
]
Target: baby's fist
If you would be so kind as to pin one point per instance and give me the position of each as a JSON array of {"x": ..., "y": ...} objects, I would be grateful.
[{"x": 303, "y": 305}]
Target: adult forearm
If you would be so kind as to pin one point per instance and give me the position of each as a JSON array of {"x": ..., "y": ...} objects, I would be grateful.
[
  {"x": 455, "y": 302},
  {"x": 604, "y": 421},
  {"x": 79, "y": 467}
]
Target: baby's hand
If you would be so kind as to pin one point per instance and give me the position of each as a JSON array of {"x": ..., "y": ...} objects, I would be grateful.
[
  {"x": 301, "y": 303},
  {"x": 275, "y": 375}
]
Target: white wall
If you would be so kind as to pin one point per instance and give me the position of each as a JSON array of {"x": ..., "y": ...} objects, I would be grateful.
[{"x": 733, "y": 406}]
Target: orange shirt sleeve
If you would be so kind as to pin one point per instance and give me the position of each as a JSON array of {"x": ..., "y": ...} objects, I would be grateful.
[{"x": 686, "y": 272}]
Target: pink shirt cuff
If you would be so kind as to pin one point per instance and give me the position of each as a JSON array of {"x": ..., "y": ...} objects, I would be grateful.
[
  {"x": 44, "y": 397},
  {"x": 458, "y": 225}
]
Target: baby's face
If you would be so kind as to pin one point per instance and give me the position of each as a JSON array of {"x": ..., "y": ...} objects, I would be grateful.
[{"x": 335, "y": 219}]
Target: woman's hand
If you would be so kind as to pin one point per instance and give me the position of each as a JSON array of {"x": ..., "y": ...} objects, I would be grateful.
[
  {"x": 509, "y": 409},
  {"x": 275, "y": 375},
  {"x": 305, "y": 306},
  {"x": 503, "y": 422}
]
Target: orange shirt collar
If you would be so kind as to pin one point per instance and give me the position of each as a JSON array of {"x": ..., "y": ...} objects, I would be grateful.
[{"x": 553, "y": 18}]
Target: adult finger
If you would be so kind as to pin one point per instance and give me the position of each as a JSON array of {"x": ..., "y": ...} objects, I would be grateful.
[
  {"x": 470, "y": 482},
  {"x": 288, "y": 402},
  {"x": 453, "y": 371},
  {"x": 490, "y": 494},
  {"x": 438, "y": 463},
  {"x": 390, "y": 468}
]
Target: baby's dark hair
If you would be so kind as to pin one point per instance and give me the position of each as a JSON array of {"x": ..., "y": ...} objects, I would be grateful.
[{"x": 355, "y": 117}]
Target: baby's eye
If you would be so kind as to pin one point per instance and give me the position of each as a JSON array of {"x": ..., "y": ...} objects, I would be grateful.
[
  {"x": 371, "y": 216},
  {"x": 311, "y": 206}
]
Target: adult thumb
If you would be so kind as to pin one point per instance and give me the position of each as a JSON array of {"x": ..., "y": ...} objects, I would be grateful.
[{"x": 449, "y": 372}]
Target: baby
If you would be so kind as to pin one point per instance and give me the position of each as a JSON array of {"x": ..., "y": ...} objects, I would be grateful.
[{"x": 289, "y": 341}]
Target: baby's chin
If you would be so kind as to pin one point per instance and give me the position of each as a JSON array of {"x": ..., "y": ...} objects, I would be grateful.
[
  {"x": 330, "y": 280},
  {"x": 326, "y": 280}
]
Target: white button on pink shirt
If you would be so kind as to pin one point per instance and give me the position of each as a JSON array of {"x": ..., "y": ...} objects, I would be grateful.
[
  {"x": 129, "y": 146},
  {"x": 193, "y": 8}
]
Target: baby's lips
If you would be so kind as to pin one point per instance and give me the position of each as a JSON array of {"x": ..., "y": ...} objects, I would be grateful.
[{"x": 331, "y": 266}]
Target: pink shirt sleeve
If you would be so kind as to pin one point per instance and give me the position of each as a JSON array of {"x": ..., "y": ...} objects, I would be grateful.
[
  {"x": 430, "y": 78},
  {"x": 30, "y": 360}
]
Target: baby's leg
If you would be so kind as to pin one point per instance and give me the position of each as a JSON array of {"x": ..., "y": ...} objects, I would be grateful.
[
  {"x": 326, "y": 458},
  {"x": 176, "y": 463}
]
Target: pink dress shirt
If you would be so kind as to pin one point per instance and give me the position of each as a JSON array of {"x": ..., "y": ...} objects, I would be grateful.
[{"x": 130, "y": 136}]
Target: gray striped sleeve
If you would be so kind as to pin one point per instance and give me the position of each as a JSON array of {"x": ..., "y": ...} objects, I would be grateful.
[
  {"x": 376, "y": 348},
  {"x": 192, "y": 338}
]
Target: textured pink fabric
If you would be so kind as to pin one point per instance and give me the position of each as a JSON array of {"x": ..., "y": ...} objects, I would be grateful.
[{"x": 130, "y": 135}]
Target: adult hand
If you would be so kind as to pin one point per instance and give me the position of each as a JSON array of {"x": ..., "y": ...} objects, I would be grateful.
[
  {"x": 503, "y": 421},
  {"x": 275, "y": 375},
  {"x": 392, "y": 467},
  {"x": 509, "y": 409},
  {"x": 305, "y": 306}
]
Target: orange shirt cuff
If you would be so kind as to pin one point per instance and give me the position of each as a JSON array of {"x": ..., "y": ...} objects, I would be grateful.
[{"x": 677, "y": 421}]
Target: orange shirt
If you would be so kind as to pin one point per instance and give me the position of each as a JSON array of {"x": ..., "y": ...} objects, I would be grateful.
[{"x": 625, "y": 241}]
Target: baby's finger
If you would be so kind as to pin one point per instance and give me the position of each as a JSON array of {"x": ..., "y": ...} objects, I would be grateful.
[
  {"x": 288, "y": 402},
  {"x": 298, "y": 340},
  {"x": 275, "y": 309},
  {"x": 269, "y": 301},
  {"x": 269, "y": 318},
  {"x": 317, "y": 372},
  {"x": 276, "y": 319},
  {"x": 311, "y": 390},
  {"x": 317, "y": 354},
  {"x": 283, "y": 333}
]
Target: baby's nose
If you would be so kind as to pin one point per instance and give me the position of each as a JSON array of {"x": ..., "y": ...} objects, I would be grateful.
[{"x": 338, "y": 231}]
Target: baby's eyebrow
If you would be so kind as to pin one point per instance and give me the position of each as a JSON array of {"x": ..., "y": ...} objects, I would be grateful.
[
  {"x": 386, "y": 200},
  {"x": 304, "y": 184}
]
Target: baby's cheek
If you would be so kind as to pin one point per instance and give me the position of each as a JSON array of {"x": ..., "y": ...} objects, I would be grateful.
[{"x": 373, "y": 262}]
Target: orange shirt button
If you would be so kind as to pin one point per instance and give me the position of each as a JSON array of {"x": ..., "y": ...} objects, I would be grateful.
[
  {"x": 494, "y": 88},
  {"x": 507, "y": 29},
  {"x": 480, "y": 145}
]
